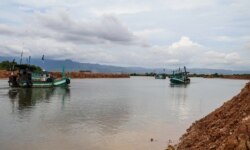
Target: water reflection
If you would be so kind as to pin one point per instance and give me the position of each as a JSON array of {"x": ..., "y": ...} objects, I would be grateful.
[
  {"x": 26, "y": 98},
  {"x": 179, "y": 91},
  {"x": 106, "y": 114},
  {"x": 179, "y": 94},
  {"x": 178, "y": 85}
]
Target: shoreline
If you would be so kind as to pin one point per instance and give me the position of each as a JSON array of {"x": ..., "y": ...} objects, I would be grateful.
[
  {"x": 82, "y": 75},
  {"x": 227, "y": 127},
  {"x": 75, "y": 75},
  {"x": 236, "y": 76}
]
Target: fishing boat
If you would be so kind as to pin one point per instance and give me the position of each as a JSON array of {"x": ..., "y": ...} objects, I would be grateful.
[
  {"x": 160, "y": 76},
  {"x": 25, "y": 77},
  {"x": 180, "y": 77}
]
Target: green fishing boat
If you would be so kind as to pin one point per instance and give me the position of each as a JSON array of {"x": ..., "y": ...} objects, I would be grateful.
[
  {"x": 26, "y": 78},
  {"x": 180, "y": 77},
  {"x": 160, "y": 76}
]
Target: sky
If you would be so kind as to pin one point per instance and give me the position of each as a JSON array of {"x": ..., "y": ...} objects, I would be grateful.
[{"x": 159, "y": 33}]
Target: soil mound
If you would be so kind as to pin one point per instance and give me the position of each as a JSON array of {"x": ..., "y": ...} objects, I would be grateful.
[{"x": 228, "y": 127}]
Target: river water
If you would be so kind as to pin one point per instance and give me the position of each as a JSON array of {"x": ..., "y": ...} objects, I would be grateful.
[{"x": 107, "y": 114}]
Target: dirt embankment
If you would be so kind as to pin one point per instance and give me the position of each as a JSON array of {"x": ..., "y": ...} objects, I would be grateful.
[
  {"x": 243, "y": 77},
  {"x": 6, "y": 74},
  {"x": 226, "y": 128},
  {"x": 237, "y": 77},
  {"x": 91, "y": 75}
]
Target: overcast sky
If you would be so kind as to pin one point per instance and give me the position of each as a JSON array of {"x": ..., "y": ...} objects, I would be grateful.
[{"x": 155, "y": 33}]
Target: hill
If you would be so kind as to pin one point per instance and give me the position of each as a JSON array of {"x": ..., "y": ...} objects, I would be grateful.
[{"x": 56, "y": 65}]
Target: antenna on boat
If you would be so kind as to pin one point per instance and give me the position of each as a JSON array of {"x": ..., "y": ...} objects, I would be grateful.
[
  {"x": 29, "y": 59},
  {"x": 21, "y": 57},
  {"x": 63, "y": 71},
  {"x": 13, "y": 65},
  {"x": 43, "y": 62}
]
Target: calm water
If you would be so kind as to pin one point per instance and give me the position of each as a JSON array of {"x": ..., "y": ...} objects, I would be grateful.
[{"x": 107, "y": 114}]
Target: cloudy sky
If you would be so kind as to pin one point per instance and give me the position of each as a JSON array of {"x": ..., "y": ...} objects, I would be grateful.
[{"x": 158, "y": 33}]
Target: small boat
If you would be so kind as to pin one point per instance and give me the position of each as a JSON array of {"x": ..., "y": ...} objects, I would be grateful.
[
  {"x": 160, "y": 76},
  {"x": 27, "y": 78},
  {"x": 179, "y": 77}
]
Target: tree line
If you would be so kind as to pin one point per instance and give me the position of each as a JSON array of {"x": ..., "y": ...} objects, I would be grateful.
[{"x": 10, "y": 66}]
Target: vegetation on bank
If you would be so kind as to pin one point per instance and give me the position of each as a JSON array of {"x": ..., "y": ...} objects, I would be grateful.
[
  {"x": 10, "y": 66},
  {"x": 7, "y": 65}
]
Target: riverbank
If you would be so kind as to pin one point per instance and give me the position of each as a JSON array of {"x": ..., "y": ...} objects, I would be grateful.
[
  {"x": 6, "y": 74},
  {"x": 228, "y": 127},
  {"x": 91, "y": 75},
  {"x": 220, "y": 76},
  {"x": 241, "y": 77}
]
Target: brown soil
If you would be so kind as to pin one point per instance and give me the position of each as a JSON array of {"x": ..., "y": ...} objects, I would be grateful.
[
  {"x": 6, "y": 74},
  {"x": 237, "y": 76},
  {"x": 226, "y": 128},
  {"x": 243, "y": 77},
  {"x": 91, "y": 75}
]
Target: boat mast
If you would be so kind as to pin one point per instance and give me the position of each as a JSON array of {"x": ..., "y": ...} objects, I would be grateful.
[{"x": 21, "y": 58}]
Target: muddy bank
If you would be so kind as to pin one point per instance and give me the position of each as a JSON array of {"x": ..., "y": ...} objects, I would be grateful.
[
  {"x": 222, "y": 76},
  {"x": 6, "y": 74},
  {"x": 242, "y": 77},
  {"x": 228, "y": 127}
]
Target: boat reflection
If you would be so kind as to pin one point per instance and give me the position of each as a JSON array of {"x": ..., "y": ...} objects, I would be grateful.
[
  {"x": 179, "y": 93},
  {"x": 178, "y": 85},
  {"x": 26, "y": 98}
]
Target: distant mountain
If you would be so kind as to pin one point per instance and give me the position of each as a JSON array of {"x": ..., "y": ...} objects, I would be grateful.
[{"x": 56, "y": 65}]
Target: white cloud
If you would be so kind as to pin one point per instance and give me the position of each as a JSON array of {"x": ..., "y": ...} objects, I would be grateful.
[
  {"x": 224, "y": 39},
  {"x": 184, "y": 42},
  {"x": 105, "y": 29},
  {"x": 182, "y": 52},
  {"x": 124, "y": 9},
  {"x": 213, "y": 57},
  {"x": 188, "y": 4},
  {"x": 233, "y": 56},
  {"x": 146, "y": 33},
  {"x": 187, "y": 52},
  {"x": 78, "y": 30}
]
